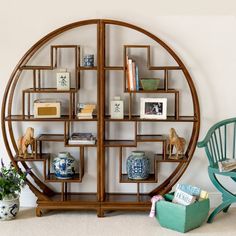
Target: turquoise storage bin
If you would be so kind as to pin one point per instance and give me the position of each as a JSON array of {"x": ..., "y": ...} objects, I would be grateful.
[{"x": 181, "y": 218}]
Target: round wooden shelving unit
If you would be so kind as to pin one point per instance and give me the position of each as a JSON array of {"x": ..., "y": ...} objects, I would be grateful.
[{"x": 100, "y": 200}]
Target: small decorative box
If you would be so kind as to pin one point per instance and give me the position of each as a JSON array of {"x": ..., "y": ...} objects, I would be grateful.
[
  {"x": 63, "y": 80},
  {"x": 117, "y": 108},
  {"x": 47, "y": 108}
]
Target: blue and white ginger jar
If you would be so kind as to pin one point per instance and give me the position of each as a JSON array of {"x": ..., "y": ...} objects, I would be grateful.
[
  {"x": 64, "y": 165},
  {"x": 138, "y": 165},
  {"x": 9, "y": 208}
]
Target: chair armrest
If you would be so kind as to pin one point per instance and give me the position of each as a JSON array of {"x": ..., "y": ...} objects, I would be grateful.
[{"x": 201, "y": 144}]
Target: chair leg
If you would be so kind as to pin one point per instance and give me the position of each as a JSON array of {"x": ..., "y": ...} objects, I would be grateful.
[
  {"x": 226, "y": 209},
  {"x": 220, "y": 208}
]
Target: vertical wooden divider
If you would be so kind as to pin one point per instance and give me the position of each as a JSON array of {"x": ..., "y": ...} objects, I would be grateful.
[
  {"x": 101, "y": 111},
  {"x": 23, "y": 104},
  {"x": 130, "y": 106},
  {"x": 177, "y": 105},
  {"x": 28, "y": 104},
  {"x": 66, "y": 187},
  {"x": 62, "y": 191},
  {"x": 138, "y": 192},
  {"x": 77, "y": 81},
  {"x": 76, "y": 68},
  {"x": 81, "y": 162},
  {"x": 166, "y": 79},
  {"x": 39, "y": 79},
  {"x": 120, "y": 163},
  {"x": 34, "y": 79}
]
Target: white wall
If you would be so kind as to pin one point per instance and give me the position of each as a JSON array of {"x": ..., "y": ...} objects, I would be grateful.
[{"x": 202, "y": 33}]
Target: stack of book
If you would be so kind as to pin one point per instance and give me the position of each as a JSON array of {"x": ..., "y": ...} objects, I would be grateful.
[
  {"x": 227, "y": 165},
  {"x": 86, "y": 111},
  {"x": 132, "y": 75},
  {"x": 82, "y": 138}
]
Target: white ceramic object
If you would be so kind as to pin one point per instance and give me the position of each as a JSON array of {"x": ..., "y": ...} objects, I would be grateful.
[{"x": 9, "y": 208}]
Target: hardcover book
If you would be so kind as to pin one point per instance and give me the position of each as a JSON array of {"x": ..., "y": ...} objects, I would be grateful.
[
  {"x": 183, "y": 198},
  {"x": 82, "y": 138},
  {"x": 192, "y": 190},
  {"x": 227, "y": 165},
  {"x": 86, "y": 111}
]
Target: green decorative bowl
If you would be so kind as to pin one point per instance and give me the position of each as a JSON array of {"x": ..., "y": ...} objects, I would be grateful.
[{"x": 150, "y": 84}]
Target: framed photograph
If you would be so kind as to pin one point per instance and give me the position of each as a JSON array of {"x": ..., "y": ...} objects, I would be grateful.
[
  {"x": 153, "y": 108},
  {"x": 63, "y": 80}
]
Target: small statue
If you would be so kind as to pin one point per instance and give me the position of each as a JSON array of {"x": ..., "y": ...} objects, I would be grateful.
[
  {"x": 177, "y": 142},
  {"x": 25, "y": 141}
]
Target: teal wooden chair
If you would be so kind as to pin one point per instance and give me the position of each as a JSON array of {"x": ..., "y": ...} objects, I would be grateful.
[{"x": 219, "y": 145}]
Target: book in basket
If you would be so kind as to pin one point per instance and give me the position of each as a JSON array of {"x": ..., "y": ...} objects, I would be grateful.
[
  {"x": 227, "y": 165},
  {"x": 183, "y": 198}
]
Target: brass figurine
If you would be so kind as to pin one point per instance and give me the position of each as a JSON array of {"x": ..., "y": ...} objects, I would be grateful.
[
  {"x": 175, "y": 141},
  {"x": 25, "y": 141}
]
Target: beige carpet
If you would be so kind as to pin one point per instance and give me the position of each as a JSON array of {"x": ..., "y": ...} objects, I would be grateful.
[{"x": 77, "y": 223}]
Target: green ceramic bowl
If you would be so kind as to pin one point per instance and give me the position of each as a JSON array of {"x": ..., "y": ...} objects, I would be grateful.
[{"x": 150, "y": 84}]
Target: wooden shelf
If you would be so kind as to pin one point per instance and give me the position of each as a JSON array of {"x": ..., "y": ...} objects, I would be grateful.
[
  {"x": 169, "y": 119},
  {"x": 165, "y": 68},
  {"x": 114, "y": 68},
  {"x": 51, "y": 137},
  {"x": 62, "y": 118},
  {"x": 42, "y": 157},
  {"x": 60, "y": 138},
  {"x": 80, "y": 145},
  {"x": 87, "y": 68},
  {"x": 150, "y": 179},
  {"x": 49, "y": 90},
  {"x": 128, "y": 198},
  {"x": 53, "y": 178},
  {"x": 31, "y": 67},
  {"x": 151, "y": 138},
  {"x": 159, "y": 158},
  {"x": 153, "y": 91},
  {"x": 81, "y": 198},
  {"x": 120, "y": 143}
]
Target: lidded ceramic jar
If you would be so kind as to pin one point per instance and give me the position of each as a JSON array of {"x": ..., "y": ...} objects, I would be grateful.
[
  {"x": 89, "y": 60},
  {"x": 138, "y": 165},
  {"x": 64, "y": 165}
]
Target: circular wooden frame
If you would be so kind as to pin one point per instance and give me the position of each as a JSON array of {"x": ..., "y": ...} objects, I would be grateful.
[{"x": 42, "y": 191}]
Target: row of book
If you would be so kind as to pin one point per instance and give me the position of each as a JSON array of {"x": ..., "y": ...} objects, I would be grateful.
[
  {"x": 86, "y": 111},
  {"x": 82, "y": 138},
  {"x": 132, "y": 75},
  {"x": 187, "y": 194}
]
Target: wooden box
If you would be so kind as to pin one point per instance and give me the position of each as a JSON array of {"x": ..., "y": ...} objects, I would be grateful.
[{"x": 47, "y": 109}]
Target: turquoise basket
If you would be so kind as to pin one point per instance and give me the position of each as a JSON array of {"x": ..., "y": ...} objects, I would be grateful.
[{"x": 181, "y": 218}]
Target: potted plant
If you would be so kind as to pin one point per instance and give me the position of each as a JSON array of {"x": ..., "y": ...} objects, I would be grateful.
[{"x": 11, "y": 182}]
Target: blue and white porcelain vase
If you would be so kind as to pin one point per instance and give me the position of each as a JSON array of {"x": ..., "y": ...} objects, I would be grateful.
[
  {"x": 9, "y": 208},
  {"x": 138, "y": 165},
  {"x": 89, "y": 60},
  {"x": 64, "y": 165}
]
